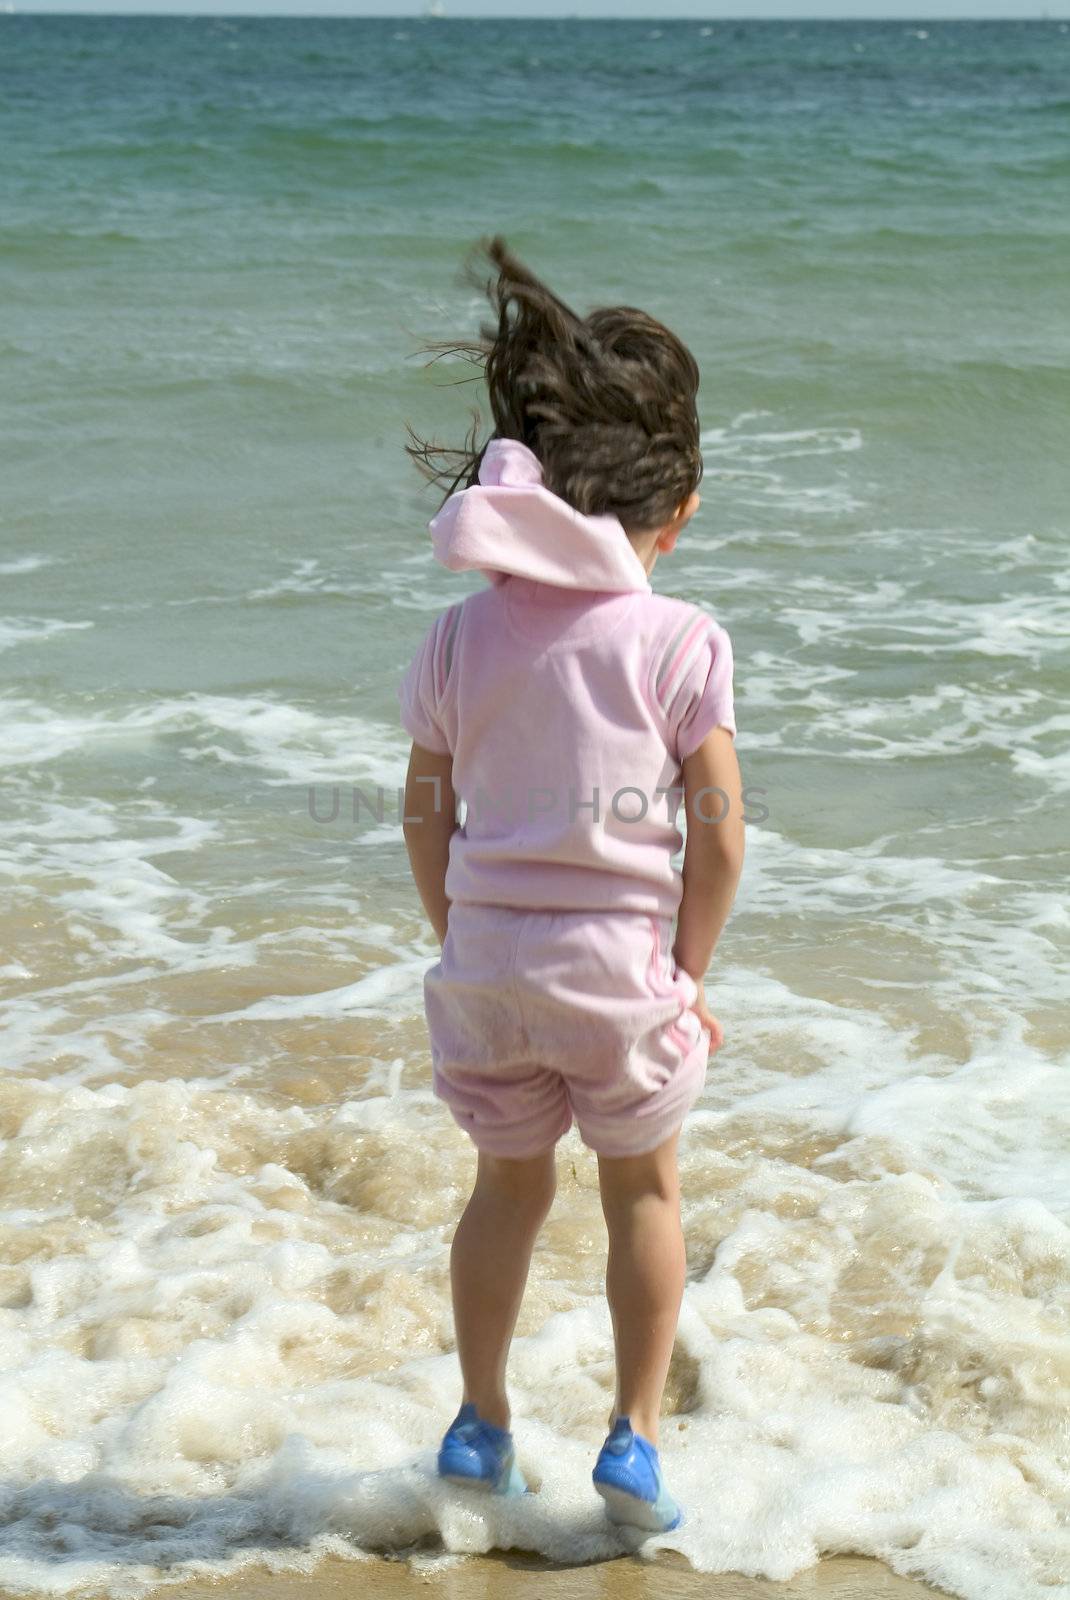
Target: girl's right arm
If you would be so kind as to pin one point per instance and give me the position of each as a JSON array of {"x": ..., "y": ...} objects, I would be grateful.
[{"x": 713, "y": 853}]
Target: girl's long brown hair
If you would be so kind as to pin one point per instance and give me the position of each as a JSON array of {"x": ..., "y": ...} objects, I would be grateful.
[{"x": 606, "y": 401}]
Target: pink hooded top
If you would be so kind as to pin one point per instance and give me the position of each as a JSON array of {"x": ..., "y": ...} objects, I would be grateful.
[{"x": 568, "y": 694}]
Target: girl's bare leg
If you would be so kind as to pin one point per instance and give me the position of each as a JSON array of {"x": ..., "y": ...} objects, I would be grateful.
[
  {"x": 645, "y": 1275},
  {"x": 489, "y": 1263}
]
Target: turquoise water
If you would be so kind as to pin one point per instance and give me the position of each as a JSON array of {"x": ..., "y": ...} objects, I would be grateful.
[{"x": 221, "y": 244}]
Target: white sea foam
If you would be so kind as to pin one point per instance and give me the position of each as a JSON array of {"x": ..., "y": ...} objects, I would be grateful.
[
  {"x": 126, "y": 895},
  {"x": 304, "y": 579},
  {"x": 285, "y": 742},
  {"x": 32, "y": 630},
  {"x": 975, "y": 930},
  {"x": 743, "y": 461},
  {"x": 28, "y": 563},
  {"x": 365, "y": 997},
  {"x": 220, "y": 1350}
]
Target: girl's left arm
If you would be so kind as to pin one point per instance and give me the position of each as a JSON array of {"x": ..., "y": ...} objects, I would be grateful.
[{"x": 428, "y": 823}]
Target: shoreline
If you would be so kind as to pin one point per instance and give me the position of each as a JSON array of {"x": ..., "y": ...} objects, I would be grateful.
[{"x": 505, "y": 1574}]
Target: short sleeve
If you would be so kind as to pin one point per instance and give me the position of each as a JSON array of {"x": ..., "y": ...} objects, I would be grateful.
[
  {"x": 695, "y": 690},
  {"x": 423, "y": 683}
]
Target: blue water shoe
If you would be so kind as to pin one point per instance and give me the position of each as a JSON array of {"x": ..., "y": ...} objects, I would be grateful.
[
  {"x": 479, "y": 1455},
  {"x": 627, "y": 1475}
]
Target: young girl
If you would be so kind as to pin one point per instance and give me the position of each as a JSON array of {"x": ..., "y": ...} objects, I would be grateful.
[{"x": 572, "y": 709}]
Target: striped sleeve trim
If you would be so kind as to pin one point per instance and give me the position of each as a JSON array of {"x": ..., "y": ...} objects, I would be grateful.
[
  {"x": 447, "y": 636},
  {"x": 679, "y": 656}
]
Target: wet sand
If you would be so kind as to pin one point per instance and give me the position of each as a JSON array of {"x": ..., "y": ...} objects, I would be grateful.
[{"x": 508, "y": 1574}]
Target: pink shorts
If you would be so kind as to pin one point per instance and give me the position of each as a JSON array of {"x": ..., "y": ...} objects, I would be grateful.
[{"x": 536, "y": 1017}]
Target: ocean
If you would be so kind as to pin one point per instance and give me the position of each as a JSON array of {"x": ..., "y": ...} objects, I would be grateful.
[{"x": 226, "y": 1190}]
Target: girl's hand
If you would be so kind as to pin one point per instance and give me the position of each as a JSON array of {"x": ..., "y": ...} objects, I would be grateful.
[{"x": 708, "y": 1020}]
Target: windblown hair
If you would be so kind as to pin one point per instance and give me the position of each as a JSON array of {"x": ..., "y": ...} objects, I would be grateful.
[{"x": 606, "y": 401}]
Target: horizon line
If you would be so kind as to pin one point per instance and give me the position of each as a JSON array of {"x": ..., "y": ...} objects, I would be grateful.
[{"x": 513, "y": 16}]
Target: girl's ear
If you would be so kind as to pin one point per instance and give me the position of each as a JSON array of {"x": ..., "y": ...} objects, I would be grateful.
[{"x": 668, "y": 536}]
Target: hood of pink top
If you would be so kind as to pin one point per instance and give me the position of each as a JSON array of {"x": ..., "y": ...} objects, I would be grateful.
[{"x": 509, "y": 524}]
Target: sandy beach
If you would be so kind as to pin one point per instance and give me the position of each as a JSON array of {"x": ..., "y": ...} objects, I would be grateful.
[{"x": 508, "y": 1574}]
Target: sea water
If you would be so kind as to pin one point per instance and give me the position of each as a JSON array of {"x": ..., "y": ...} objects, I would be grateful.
[{"x": 227, "y": 1191}]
